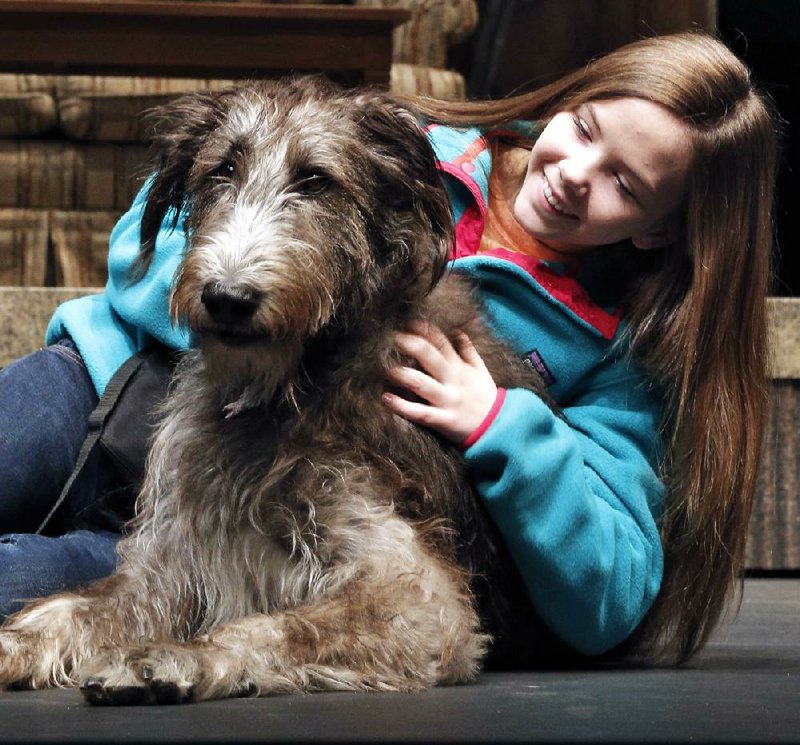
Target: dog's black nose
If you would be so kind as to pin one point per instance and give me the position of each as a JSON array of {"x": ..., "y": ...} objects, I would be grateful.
[{"x": 230, "y": 306}]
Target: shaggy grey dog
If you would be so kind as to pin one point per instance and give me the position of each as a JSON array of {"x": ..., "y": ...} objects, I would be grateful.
[{"x": 291, "y": 533}]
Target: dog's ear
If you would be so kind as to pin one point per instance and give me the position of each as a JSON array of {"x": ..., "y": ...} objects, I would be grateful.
[
  {"x": 178, "y": 130},
  {"x": 408, "y": 173}
]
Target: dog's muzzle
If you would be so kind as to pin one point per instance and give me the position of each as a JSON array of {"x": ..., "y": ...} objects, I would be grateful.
[{"x": 233, "y": 310}]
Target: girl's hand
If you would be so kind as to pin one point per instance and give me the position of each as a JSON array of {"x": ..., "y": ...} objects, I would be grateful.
[{"x": 454, "y": 383}]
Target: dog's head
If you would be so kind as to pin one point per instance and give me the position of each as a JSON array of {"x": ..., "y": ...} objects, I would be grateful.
[{"x": 307, "y": 208}]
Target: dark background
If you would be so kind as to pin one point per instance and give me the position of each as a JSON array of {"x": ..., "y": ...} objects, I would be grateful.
[{"x": 766, "y": 34}]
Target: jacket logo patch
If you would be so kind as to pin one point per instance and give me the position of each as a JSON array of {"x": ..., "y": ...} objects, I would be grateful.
[{"x": 536, "y": 361}]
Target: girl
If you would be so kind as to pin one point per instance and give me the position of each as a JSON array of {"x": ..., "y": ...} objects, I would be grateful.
[
  {"x": 658, "y": 365},
  {"x": 654, "y": 169}
]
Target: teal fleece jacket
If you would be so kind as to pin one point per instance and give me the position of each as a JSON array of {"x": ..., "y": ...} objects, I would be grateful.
[{"x": 576, "y": 499}]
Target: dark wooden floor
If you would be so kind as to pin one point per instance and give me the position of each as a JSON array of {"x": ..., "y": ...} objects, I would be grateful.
[{"x": 745, "y": 687}]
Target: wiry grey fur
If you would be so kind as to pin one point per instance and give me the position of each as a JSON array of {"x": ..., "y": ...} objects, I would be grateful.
[{"x": 291, "y": 533}]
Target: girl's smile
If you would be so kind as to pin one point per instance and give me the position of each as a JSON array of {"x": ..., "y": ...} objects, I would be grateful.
[{"x": 554, "y": 202}]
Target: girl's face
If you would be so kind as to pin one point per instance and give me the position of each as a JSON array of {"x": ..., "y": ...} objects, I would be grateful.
[{"x": 611, "y": 170}]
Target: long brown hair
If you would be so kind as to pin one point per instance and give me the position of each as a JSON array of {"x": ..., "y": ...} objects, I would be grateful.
[{"x": 697, "y": 310}]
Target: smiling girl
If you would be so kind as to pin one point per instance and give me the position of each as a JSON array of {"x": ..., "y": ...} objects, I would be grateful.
[{"x": 618, "y": 226}]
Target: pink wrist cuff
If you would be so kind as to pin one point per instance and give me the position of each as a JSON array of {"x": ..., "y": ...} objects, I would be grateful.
[{"x": 477, "y": 433}]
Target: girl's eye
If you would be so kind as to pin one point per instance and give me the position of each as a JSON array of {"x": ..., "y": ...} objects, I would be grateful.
[
  {"x": 581, "y": 128},
  {"x": 312, "y": 184},
  {"x": 624, "y": 188}
]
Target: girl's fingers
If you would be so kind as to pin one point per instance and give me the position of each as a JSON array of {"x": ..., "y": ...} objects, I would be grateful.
[
  {"x": 467, "y": 351},
  {"x": 417, "y": 383},
  {"x": 431, "y": 358},
  {"x": 414, "y": 412},
  {"x": 436, "y": 337},
  {"x": 462, "y": 350},
  {"x": 454, "y": 385}
]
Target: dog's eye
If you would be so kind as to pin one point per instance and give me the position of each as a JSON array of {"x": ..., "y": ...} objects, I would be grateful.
[
  {"x": 225, "y": 170},
  {"x": 313, "y": 183}
]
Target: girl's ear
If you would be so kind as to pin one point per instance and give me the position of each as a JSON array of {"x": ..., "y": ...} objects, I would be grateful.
[{"x": 661, "y": 234}]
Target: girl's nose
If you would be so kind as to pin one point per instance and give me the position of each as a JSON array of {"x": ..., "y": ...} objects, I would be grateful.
[{"x": 576, "y": 175}]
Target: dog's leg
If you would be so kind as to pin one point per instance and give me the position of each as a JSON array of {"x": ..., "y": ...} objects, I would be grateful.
[
  {"x": 395, "y": 628},
  {"x": 44, "y": 643}
]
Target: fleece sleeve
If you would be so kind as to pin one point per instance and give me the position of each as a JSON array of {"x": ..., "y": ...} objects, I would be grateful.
[
  {"x": 109, "y": 327},
  {"x": 144, "y": 304},
  {"x": 576, "y": 500}
]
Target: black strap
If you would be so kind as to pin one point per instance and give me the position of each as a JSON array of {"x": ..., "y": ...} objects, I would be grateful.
[{"x": 96, "y": 422}]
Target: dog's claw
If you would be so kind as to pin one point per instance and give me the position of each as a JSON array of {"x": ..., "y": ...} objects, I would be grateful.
[
  {"x": 94, "y": 691},
  {"x": 91, "y": 685},
  {"x": 153, "y": 692},
  {"x": 158, "y": 692},
  {"x": 251, "y": 690}
]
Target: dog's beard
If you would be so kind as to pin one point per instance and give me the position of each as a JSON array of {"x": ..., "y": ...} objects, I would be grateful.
[{"x": 249, "y": 377}]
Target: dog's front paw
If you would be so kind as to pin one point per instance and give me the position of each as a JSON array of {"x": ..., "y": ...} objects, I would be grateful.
[{"x": 141, "y": 675}]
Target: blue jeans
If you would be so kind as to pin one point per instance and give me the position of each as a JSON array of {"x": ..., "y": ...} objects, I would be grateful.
[{"x": 45, "y": 402}]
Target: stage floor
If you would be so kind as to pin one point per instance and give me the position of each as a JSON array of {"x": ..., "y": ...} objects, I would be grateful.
[{"x": 744, "y": 687}]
